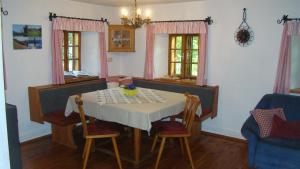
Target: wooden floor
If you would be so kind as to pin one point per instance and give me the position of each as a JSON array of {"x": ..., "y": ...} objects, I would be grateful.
[{"x": 208, "y": 151}]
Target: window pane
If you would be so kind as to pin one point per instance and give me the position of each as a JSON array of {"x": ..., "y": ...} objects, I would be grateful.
[
  {"x": 76, "y": 35},
  {"x": 76, "y": 65},
  {"x": 189, "y": 42},
  {"x": 178, "y": 56},
  {"x": 70, "y": 39},
  {"x": 76, "y": 54},
  {"x": 195, "y": 42},
  {"x": 195, "y": 56},
  {"x": 178, "y": 42},
  {"x": 178, "y": 68},
  {"x": 172, "y": 69},
  {"x": 70, "y": 65},
  {"x": 194, "y": 70},
  {"x": 70, "y": 52},
  {"x": 173, "y": 42}
]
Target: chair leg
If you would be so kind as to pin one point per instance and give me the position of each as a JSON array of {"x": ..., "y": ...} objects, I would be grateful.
[
  {"x": 84, "y": 149},
  {"x": 181, "y": 145},
  {"x": 188, "y": 151},
  {"x": 116, "y": 152},
  {"x": 87, "y": 153},
  {"x": 154, "y": 143},
  {"x": 160, "y": 151}
]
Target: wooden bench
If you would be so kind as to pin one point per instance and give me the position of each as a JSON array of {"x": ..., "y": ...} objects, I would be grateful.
[
  {"x": 207, "y": 94},
  {"x": 47, "y": 103}
]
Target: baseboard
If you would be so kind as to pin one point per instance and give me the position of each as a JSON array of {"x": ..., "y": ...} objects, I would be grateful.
[
  {"x": 224, "y": 137},
  {"x": 222, "y": 131},
  {"x": 45, "y": 137}
]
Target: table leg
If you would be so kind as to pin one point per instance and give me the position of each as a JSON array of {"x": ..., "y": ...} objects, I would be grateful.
[{"x": 137, "y": 146}]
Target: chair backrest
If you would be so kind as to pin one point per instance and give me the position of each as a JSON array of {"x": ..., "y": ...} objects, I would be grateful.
[
  {"x": 79, "y": 103},
  {"x": 190, "y": 108}
]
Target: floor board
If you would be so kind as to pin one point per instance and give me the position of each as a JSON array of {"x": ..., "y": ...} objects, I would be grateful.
[{"x": 208, "y": 151}]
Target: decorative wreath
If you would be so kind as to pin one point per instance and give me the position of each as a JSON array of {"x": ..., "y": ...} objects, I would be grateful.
[{"x": 244, "y": 35}]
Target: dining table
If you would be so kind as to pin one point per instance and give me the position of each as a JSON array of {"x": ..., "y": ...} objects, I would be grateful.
[{"x": 136, "y": 109}]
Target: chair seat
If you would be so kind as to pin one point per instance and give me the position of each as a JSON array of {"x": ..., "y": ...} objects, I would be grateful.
[
  {"x": 102, "y": 128},
  {"x": 170, "y": 128},
  {"x": 59, "y": 118}
]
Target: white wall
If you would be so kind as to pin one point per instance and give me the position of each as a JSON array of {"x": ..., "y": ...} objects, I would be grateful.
[
  {"x": 33, "y": 67},
  {"x": 295, "y": 63},
  {"x": 244, "y": 74},
  {"x": 4, "y": 157},
  {"x": 160, "y": 52},
  {"x": 90, "y": 62}
]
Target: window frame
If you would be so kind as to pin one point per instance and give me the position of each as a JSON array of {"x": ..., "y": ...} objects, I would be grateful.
[
  {"x": 66, "y": 47},
  {"x": 184, "y": 65}
]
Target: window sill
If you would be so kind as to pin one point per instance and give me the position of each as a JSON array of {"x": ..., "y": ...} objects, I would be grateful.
[
  {"x": 177, "y": 81},
  {"x": 296, "y": 91},
  {"x": 72, "y": 79}
]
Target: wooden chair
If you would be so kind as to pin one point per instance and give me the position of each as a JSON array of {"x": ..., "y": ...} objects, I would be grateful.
[
  {"x": 93, "y": 131},
  {"x": 174, "y": 129}
]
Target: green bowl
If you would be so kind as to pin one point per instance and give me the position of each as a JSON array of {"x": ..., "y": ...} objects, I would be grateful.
[{"x": 129, "y": 92}]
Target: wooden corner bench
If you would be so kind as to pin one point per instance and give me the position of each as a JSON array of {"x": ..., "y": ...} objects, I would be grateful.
[{"x": 47, "y": 104}]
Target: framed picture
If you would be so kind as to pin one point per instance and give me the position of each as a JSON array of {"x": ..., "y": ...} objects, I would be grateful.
[
  {"x": 27, "y": 36},
  {"x": 121, "y": 38}
]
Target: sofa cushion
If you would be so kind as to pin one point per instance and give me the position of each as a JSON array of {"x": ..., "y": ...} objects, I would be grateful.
[
  {"x": 285, "y": 129},
  {"x": 264, "y": 117}
]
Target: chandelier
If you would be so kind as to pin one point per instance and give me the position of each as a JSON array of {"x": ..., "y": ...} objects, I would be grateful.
[{"x": 136, "y": 21}]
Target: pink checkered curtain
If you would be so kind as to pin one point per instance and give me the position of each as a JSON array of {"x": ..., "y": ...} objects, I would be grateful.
[
  {"x": 57, "y": 67},
  {"x": 78, "y": 25},
  {"x": 60, "y": 24},
  {"x": 148, "y": 72},
  {"x": 282, "y": 83},
  {"x": 177, "y": 28},
  {"x": 103, "y": 56}
]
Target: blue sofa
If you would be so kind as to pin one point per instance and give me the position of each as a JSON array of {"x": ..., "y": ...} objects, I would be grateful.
[{"x": 273, "y": 153}]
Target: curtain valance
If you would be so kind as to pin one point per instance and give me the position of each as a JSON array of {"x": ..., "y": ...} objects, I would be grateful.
[
  {"x": 180, "y": 27},
  {"x": 77, "y": 25},
  {"x": 293, "y": 27}
]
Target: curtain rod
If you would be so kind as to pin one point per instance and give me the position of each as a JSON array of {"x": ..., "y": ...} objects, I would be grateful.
[
  {"x": 53, "y": 15},
  {"x": 285, "y": 18},
  {"x": 208, "y": 20}
]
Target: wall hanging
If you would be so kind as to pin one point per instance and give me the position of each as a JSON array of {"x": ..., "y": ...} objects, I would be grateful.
[
  {"x": 244, "y": 35},
  {"x": 27, "y": 36}
]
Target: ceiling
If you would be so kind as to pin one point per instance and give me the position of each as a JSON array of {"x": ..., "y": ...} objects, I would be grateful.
[{"x": 130, "y": 2}]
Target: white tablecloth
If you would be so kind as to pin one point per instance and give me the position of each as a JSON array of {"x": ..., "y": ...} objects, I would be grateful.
[{"x": 138, "y": 115}]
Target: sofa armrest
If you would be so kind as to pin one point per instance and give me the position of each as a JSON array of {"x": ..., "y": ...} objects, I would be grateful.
[{"x": 250, "y": 131}]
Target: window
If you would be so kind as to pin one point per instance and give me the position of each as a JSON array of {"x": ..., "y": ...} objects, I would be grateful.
[
  {"x": 183, "y": 56},
  {"x": 71, "y": 51}
]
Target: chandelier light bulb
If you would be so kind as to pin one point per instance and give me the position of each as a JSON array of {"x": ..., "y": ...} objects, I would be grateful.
[
  {"x": 139, "y": 12},
  {"x": 124, "y": 12},
  {"x": 148, "y": 13}
]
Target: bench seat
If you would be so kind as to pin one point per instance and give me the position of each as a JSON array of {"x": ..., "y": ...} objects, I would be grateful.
[{"x": 59, "y": 118}]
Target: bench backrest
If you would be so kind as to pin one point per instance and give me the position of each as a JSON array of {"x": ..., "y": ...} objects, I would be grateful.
[
  {"x": 56, "y": 98},
  {"x": 207, "y": 94},
  {"x": 52, "y": 98}
]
